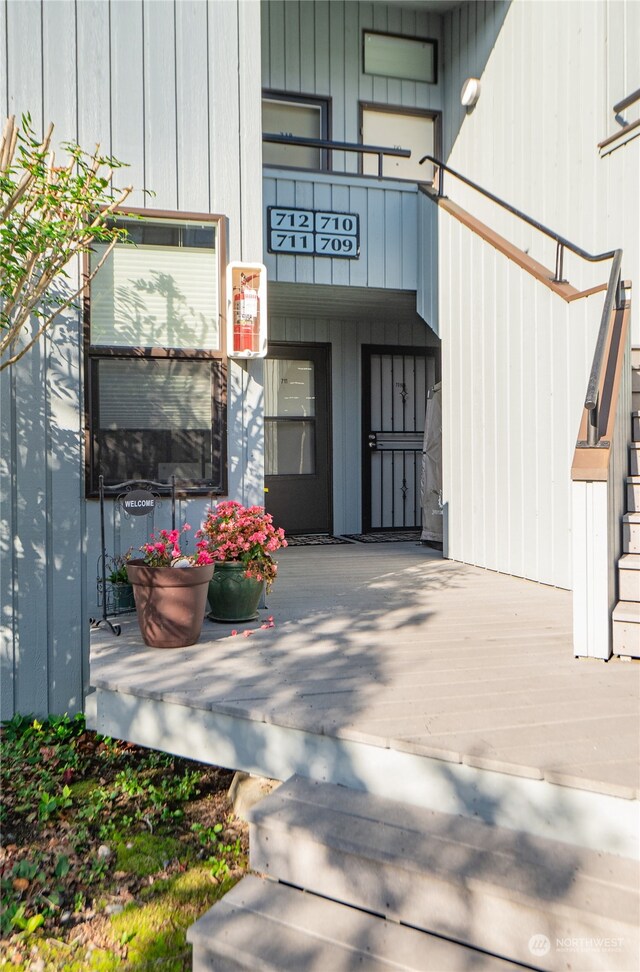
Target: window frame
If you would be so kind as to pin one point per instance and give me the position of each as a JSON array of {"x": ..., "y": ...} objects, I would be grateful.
[
  {"x": 388, "y": 109},
  {"x": 312, "y": 100},
  {"x": 218, "y": 359}
]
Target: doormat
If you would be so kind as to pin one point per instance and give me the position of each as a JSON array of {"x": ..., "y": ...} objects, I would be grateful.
[
  {"x": 394, "y": 536},
  {"x": 313, "y": 539}
]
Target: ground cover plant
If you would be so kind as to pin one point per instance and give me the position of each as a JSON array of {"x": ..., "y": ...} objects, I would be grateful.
[{"x": 109, "y": 851}]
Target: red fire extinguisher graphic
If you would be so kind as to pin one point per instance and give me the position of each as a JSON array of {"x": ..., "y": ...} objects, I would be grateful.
[{"x": 246, "y": 315}]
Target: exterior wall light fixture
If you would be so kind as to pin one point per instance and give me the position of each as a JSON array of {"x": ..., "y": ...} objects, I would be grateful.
[{"x": 470, "y": 92}]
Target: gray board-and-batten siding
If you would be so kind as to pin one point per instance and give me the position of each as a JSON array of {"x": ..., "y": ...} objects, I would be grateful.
[{"x": 121, "y": 74}]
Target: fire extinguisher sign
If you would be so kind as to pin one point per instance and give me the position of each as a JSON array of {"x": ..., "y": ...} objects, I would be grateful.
[{"x": 309, "y": 232}]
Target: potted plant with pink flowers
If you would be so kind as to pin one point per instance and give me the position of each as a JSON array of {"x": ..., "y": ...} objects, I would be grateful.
[
  {"x": 170, "y": 590},
  {"x": 241, "y": 540}
]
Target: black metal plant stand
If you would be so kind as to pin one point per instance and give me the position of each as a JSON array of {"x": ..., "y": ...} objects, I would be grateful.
[{"x": 150, "y": 491}]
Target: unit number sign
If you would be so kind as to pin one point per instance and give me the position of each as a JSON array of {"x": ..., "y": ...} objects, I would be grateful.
[{"x": 313, "y": 233}]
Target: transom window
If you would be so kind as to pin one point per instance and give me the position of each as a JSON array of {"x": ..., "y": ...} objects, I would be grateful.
[{"x": 156, "y": 372}]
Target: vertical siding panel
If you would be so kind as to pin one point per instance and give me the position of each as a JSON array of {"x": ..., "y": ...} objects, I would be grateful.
[
  {"x": 322, "y": 201},
  {"x": 407, "y": 245},
  {"x": 277, "y": 48},
  {"x": 352, "y": 41},
  {"x": 28, "y": 380},
  {"x": 377, "y": 228},
  {"x": 192, "y": 108},
  {"x": 340, "y": 269},
  {"x": 304, "y": 264},
  {"x": 358, "y": 268},
  {"x": 160, "y": 103},
  {"x": 8, "y": 633},
  {"x": 94, "y": 78},
  {"x": 307, "y": 48},
  {"x": 4, "y": 89},
  {"x": 292, "y": 41},
  {"x": 337, "y": 77},
  {"x": 24, "y": 74},
  {"x": 65, "y": 560},
  {"x": 251, "y": 129},
  {"x": 224, "y": 109},
  {"x": 393, "y": 236},
  {"x": 127, "y": 95},
  {"x": 323, "y": 85}
]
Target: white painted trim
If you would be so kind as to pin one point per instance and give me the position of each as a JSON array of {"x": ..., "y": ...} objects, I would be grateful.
[
  {"x": 578, "y": 817},
  {"x": 590, "y": 559}
]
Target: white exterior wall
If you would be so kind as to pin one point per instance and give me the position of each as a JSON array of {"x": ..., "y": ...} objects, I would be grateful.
[
  {"x": 551, "y": 71},
  {"x": 516, "y": 357},
  {"x": 173, "y": 89}
]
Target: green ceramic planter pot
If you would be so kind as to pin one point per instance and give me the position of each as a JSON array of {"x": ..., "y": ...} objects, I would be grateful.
[
  {"x": 123, "y": 598},
  {"x": 232, "y": 595}
]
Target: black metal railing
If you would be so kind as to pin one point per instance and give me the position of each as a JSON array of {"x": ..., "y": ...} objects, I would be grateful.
[
  {"x": 626, "y": 102},
  {"x": 613, "y": 296},
  {"x": 329, "y": 145}
]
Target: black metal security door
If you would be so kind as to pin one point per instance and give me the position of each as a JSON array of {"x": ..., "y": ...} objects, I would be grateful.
[
  {"x": 395, "y": 384},
  {"x": 297, "y": 437}
]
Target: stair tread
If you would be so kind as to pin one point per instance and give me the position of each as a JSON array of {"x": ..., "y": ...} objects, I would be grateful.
[
  {"x": 627, "y": 611},
  {"x": 454, "y": 849},
  {"x": 631, "y": 518},
  {"x": 629, "y": 561},
  {"x": 265, "y": 925}
]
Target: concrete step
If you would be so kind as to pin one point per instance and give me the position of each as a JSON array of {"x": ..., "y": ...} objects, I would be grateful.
[
  {"x": 633, "y": 494},
  {"x": 629, "y": 577},
  {"x": 635, "y": 400},
  {"x": 634, "y": 459},
  {"x": 626, "y": 630},
  {"x": 468, "y": 881},
  {"x": 262, "y": 925},
  {"x": 631, "y": 533},
  {"x": 635, "y": 425}
]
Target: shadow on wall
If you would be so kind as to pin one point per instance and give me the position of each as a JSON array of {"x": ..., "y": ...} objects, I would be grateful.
[
  {"x": 44, "y": 644},
  {"x": 470, "y": 33}
]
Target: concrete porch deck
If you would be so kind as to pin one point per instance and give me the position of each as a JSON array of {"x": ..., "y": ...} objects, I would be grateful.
[{"x": 395, "y": 671}]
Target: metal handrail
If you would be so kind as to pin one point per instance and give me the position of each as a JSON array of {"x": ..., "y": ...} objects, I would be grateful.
[
  {"x": 626, "y": 102},
  {"x": 327, "y": 143},
  {"x": 612, "y": 296}
]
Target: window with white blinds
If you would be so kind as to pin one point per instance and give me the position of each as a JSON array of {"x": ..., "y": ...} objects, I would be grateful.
[
  {"x": 156, "y": 372},
  {"x": 156, "y": 297}
]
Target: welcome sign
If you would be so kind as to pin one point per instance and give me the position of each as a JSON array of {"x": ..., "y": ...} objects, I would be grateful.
[{"x": 139, "y": 502}]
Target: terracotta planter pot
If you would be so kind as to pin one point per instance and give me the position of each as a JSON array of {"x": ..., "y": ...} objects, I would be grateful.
[
  {"x": 232, "y": 595},
  {"x": 170, "y": 602}
]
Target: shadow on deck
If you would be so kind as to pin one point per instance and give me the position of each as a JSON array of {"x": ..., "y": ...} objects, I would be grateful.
[{"x": 392, "y": 670}]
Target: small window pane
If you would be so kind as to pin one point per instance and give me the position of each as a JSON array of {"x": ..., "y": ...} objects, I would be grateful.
[
  {"x": 289, "y": 388},
  {"x": 289, "y": 447},
  {"x": 291, "y": 118},
  {"x": 154, "y": 420},
  {"x": 399, "y": 57}
]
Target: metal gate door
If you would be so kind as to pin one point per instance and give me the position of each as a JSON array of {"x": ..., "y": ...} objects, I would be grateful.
[{"x": 395, "y": 383}]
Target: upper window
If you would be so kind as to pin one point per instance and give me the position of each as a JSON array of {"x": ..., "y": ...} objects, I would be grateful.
[
  {"x": 394, "y": 56},
  {"x": 401, "y": 128},
  {"x": 155, "y": 366},
  {"x": 306, "y": 117}
]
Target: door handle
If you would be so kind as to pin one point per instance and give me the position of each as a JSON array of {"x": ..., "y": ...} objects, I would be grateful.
[{"x": 373, "y": 441}]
